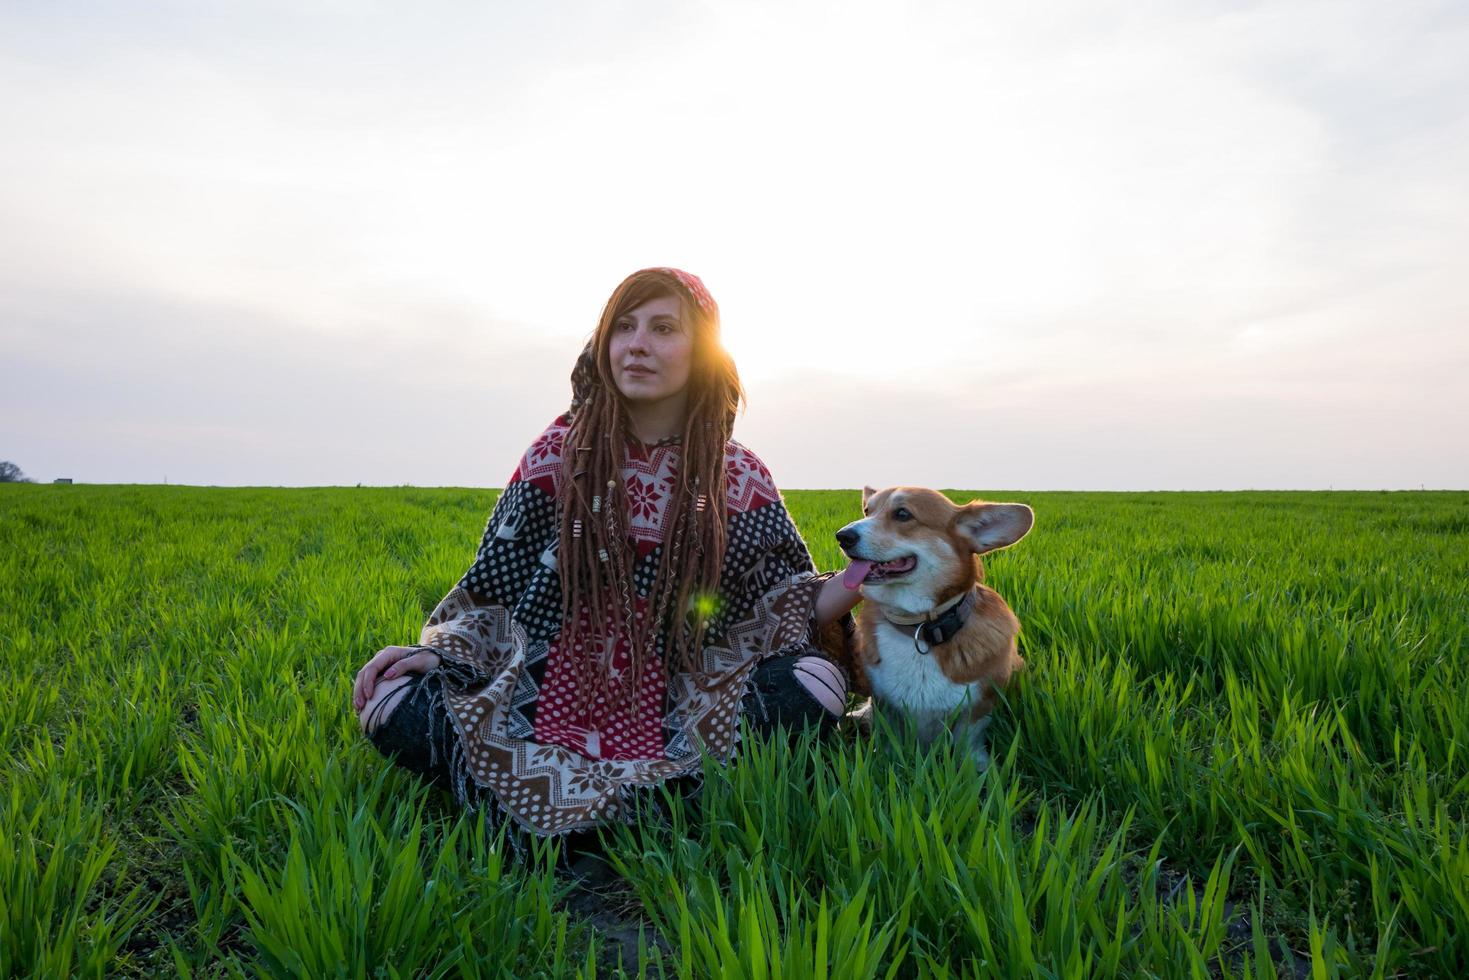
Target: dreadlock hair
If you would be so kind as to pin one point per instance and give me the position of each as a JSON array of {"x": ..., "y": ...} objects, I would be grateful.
[{"x": 598, "y": 592}]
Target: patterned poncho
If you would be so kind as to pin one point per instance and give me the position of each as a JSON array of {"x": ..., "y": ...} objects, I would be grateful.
[{"x": 554, "y": 763}]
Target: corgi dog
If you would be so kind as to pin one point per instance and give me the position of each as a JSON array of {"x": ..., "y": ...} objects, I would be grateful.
[{"x": 934, "y": 642}]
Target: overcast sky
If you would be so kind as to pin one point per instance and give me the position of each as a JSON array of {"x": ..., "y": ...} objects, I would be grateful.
[{"x": 1042, "y": 246}]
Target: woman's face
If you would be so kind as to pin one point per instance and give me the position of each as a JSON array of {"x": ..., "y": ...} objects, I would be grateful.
[{"x": 652, "y": 351}]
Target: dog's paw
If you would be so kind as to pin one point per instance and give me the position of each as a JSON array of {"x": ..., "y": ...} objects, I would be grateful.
[
  {"x": 861, "y": 717},
  {"x": 973, "y": 737}
]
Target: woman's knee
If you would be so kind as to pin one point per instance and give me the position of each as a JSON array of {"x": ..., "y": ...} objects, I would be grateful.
[
  {"x": 385, "y": 699},
  {"x": 824, "y": 681},
  {"x": 796, "y": 691}
]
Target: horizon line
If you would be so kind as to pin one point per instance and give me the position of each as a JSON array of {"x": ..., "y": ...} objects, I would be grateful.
[{"x": 783, "y": 490}]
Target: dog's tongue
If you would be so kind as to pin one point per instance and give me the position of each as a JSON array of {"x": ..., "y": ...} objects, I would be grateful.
[{"x": 855, "y": 573}]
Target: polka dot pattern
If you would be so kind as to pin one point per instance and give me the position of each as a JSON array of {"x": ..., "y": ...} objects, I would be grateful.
[{"x": 602, "y": 727}]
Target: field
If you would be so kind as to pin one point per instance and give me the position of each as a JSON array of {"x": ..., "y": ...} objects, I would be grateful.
[{"x": 1240, "y": 750}]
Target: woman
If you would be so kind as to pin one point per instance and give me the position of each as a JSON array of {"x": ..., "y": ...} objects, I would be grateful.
[{"x": 639, "y": 587}]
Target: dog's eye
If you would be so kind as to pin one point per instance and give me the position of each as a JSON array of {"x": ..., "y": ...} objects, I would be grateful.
[{"x": 901, "y": 514}]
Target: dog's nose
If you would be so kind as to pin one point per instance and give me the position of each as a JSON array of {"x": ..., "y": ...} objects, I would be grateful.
[{"x": 846, "y": 537}]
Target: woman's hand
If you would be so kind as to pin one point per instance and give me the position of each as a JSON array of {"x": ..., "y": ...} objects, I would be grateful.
[{"x": 390, "y": 662}]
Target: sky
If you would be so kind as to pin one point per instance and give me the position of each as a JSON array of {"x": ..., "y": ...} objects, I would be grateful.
[{"x": 1081, "y": 245}]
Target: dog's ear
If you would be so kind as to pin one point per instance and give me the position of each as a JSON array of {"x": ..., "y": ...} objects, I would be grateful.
[
  {"x": 867, "y": 493},
  {"x": 990, "y": 526}
]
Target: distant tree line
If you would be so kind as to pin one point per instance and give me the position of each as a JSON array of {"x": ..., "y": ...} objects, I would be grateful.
[{"x": 10, "y": 473}]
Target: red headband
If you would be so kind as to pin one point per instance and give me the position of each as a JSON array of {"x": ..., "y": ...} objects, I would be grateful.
[{"x": 692, "y": 283}]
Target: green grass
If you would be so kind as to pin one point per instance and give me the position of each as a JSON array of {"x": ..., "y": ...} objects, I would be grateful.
[{"x": 1240, "y": 750}]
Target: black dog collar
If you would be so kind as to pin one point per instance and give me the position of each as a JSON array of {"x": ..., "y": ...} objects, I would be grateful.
[{"x": 940, "y": 625}]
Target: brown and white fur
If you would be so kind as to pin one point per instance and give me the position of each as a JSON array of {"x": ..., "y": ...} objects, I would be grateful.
[{"x": 954, "y": 686}]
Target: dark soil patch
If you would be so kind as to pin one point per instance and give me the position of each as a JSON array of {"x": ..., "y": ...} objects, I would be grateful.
[{"x": 605, "y": 902}]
